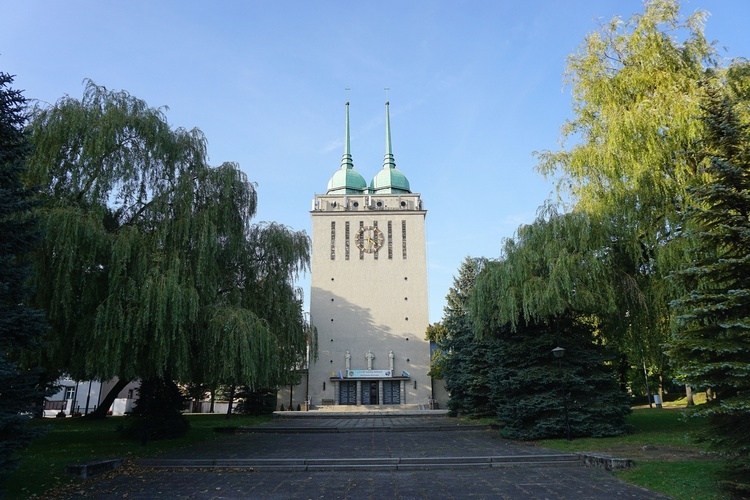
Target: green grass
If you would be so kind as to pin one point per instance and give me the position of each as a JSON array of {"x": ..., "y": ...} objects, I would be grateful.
[
  {"x": 653, "y": 427},
  {"x": 75, "y": 440},
  {"x": 675, "y": 466},
  {"x": 688, "y": 479}
]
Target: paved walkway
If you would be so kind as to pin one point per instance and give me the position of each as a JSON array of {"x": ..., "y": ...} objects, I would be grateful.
[{"x": 409, "y": 439}]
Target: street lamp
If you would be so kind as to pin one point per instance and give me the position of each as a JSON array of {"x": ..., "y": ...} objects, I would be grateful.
[{"x": 559, "y": 352}]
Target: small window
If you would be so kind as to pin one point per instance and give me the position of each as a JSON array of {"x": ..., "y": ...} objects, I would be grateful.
[{"x": 69, "y": 391}]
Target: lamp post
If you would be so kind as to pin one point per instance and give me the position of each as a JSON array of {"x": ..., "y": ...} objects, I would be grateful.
[{"x": 559, "y": 352}]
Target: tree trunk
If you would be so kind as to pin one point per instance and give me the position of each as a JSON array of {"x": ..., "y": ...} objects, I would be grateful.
[
  {"x": 231, "y": 401},
  {"x": 689, "y": 395},
  {"x": 661, "y": 388},
  {"x": 648, "y": 387},
  {"x": 101, "y": 411}
]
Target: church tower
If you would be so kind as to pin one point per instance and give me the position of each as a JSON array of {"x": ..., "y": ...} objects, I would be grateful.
[{"x": 368, "y": 295}]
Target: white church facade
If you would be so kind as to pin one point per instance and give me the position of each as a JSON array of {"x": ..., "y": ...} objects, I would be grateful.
[{"x": 368, "y": 297}]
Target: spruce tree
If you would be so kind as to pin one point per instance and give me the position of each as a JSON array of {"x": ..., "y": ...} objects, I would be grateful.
[
  {"x": 465, "y": 361},
  {"x": 711, "y": 348},
  {"x": 21, "y": 327}
]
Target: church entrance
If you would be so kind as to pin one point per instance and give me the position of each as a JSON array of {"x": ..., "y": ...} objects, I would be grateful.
[
  {"x": 370, "y": 393},
  {"x": 347, "y": 393},
  {"x": 391, "y": 392}
]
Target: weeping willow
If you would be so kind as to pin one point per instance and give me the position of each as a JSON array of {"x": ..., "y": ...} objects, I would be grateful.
[
  {"x": 631, "y": 154},
  {"x": 151, "y": 266}
]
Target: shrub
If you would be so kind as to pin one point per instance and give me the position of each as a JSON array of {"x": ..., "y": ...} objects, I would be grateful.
[{"x": 157, "y": 413}]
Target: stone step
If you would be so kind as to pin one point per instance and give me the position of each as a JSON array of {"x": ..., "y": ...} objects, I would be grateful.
[
  {"x": 292, "y": 429},
  {"x": 383, "y": 463}
]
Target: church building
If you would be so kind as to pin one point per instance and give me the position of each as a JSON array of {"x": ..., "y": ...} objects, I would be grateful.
[{"x": 368, "y": 297}]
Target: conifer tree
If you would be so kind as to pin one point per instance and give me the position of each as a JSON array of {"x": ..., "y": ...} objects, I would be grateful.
[
  {"x": 465, "y": 361},
  {"x": 711, "y": 348},
  {"x": 21, "y": 327}
]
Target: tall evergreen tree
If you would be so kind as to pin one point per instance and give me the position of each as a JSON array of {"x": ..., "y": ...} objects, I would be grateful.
[
  {"x": 151, "y": 267},
  {"x": 465, "y": 361},
  {"x": 21, "y": 327},
  {"x": 711, "y": 349}
]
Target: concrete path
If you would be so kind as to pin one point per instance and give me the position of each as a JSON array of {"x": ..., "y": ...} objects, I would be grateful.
[{"x": 368, "y": 457}]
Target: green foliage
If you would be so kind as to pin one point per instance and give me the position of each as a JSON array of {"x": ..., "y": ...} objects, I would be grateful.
[
  {"x": 464, "y": 361},
  {"x": 636, "y": 88},
  {"x": 157, "y": 413},
  {"x": 151, "y": 266},
  {"x": 531, "y": 390},
  {"x": 545, "y": 293},
  {"x": 711, "y": 347},
  {"x": 259, "y": 402},
  {"x": 21, "y": 327}
]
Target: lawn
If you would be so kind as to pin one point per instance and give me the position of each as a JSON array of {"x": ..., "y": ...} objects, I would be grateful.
[
  {"x": 77, "y": 440},
  {"x": 668, "y": 458}
]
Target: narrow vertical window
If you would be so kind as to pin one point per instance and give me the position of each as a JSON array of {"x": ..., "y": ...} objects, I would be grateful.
[
  {"x": 333, "y": 240},
  {"x": 346, "y": 240},
  {"x": 403, "y": 238},
  {"x": 361, "y": 241},
  {"x": 390, "y": 239},
  {"x": 375, "y": 225}
]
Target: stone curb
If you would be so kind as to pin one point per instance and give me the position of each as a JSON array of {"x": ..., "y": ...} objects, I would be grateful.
[
  {"x": 313, "y": 414},
  {"x": 347, "y": 464},
  {"x": 605, "y": 462},
  {"x": 90, "y": 469},
  {"x": 329, "y": 430}
]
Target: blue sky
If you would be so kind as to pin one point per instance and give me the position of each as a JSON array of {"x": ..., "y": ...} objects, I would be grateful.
[{"x": 475, "y": 88}]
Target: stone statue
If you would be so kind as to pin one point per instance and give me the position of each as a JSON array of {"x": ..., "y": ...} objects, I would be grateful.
[
  {"x": 370, "y": 356},
  {"x": 390, "y": 360},
  {"x": 348, "y": 361}
]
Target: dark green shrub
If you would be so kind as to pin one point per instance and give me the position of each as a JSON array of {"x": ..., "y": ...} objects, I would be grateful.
[
  {"x": 260, "y": 402},
  {"x": 157, "y": 413}
]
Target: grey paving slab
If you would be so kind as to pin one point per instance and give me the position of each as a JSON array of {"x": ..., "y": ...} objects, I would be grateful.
[{"x": 521, "y": 481}]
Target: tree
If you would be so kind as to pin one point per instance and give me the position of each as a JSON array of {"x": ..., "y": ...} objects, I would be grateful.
[
  {"x": 151, "y": 267},
  {"x": 549, "y": 290},
  {"x": 21, "y": 326},
  {"x": 464, "y": 361},
  {"x": 711, "y": 347},
  {"x": 636, "y": 88},
  {"x": 157, "y": 413}
]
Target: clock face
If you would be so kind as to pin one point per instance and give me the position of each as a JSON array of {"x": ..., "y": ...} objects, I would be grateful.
[{"x": 369, "y": 239}]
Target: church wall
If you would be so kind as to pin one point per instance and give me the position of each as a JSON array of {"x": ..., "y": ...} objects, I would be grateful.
[{"x": 366, "y": 304}]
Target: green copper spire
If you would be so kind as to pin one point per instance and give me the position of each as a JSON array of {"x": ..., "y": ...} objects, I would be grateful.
[
  {"x": 389, "y": 180},
  {"x": 346, "y": 158},
  {"x": 347, "y": 180},
  {"x": 388, "y": 161}
]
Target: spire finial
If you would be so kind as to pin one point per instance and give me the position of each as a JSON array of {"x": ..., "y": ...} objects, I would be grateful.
[
  {"x": 388, "y": 161},
  {"x": 346, "y": 158}
]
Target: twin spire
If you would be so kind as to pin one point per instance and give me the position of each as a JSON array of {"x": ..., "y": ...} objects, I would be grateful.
[{"x": 388, "y": 180}]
